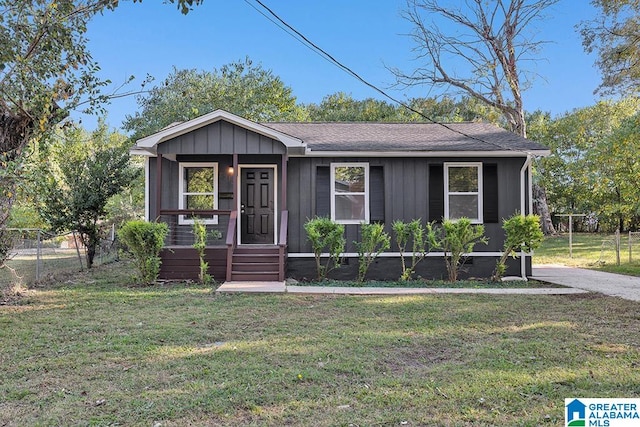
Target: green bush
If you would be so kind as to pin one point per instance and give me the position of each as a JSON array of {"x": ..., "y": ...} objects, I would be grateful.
[
  {"x": 373, "y": 242},
  {"x": 522, "y": 233},
  {"x": 145, "y": 240},
  {"x": 326, "y": 236},
  {"x": 422, "y": 240},
  {"x": 460, "y": 236},
  {"x": 200, "y": 244}
]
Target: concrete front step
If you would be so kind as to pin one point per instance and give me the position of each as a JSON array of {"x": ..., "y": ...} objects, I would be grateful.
[{"x": 249, "y": 286}]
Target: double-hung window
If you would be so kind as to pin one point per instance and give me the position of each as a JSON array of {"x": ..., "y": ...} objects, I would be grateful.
[
  {"x": 198, "y": 190},
  {"x": 463, "y": 191},
  {"x": 350, "y": 193}
]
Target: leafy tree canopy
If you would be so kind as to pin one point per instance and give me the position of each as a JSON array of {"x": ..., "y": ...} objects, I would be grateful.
[
  {"x": 240, "y": 87},
  {"x": 593, "y": 165},
  {"x": 83, "y": 171},
  {"x": 342, "y": 107},
  {"x": 614, "y": 36},
  {"x": 45, "y": 72}
]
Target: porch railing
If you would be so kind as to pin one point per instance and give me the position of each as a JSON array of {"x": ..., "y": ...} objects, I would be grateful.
[
  {"x": 182, "y": 234},
  {"x": 282, "y": 243},
  {"x": 231, "y": 242}
]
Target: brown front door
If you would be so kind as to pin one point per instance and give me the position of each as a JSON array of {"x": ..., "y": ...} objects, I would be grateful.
[{"x": 257, "y": 209}]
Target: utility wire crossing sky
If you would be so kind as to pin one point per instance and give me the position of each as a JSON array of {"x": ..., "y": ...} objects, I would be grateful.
[{"x": 317, "y": 48}]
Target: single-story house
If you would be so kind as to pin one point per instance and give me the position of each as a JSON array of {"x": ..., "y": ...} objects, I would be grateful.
[{"x": 258, "y": 183}]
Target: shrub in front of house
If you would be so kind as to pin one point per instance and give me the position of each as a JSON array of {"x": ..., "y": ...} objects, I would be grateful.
[
  {"x": 200, "y": 235},
  {"x": 421, "y": 240},
  {"x": 144, "y": 240},
  {"x": 326, "y": 236},
  {"x": 522, "y": 234},
  {"x": 459, "y": 238},
  {"x": 373, "y": 242}
]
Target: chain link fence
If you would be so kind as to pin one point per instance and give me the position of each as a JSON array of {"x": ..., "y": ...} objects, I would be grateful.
[
  {"x": 613, "y": 248},
  {"x": 38, "y": 256}
]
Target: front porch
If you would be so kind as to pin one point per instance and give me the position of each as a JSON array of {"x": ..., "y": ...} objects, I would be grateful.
[
  {"x": 231, "y": 174},
  {"x": 227, "y": 259}
]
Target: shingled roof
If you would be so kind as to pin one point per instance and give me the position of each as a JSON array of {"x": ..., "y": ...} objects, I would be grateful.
[{"x": 407, "y": 137}]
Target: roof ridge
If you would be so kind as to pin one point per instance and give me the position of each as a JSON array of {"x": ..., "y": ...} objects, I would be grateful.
[{"x": 379, "y": 123}]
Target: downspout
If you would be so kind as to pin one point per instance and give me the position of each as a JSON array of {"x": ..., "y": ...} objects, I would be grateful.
[
  {"x": 146, "y": 187},
  {"x": 525, "y": 171},
  {"x": 525, "y": 189}
]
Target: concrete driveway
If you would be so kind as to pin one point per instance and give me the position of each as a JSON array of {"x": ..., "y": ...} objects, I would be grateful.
[{"x": 616, "y": 285}]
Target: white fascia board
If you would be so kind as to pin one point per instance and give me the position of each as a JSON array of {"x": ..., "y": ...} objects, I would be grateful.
[
  {"x": 137, "y": 151},
  {"x": 311, "y": 153},
  {"x": 217, "y": 115}
]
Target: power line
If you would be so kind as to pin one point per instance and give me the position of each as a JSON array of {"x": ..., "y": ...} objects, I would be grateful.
[{"x": 327, "y": 56}]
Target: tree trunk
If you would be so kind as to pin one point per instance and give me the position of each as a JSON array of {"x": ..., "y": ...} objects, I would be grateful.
[
  {"x": 541, "y": 208},
  {"x": 15, "y": 131}
]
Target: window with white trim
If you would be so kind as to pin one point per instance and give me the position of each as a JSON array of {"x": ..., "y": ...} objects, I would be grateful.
[
  {"x": 350, "y": 193},
  {"x": 198, "y": 190},
  {"x": 463, "y": 191}
]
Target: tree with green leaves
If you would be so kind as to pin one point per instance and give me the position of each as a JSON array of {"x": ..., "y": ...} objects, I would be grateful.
[
  {"x": 618, "y": 181},
  {"x": 452, "y": 110},
  {"x": 591, "y": 167},
  {"x": 614, "y": 35},
  {"x": 241, "y": 87},
  {"x": 46, "y": 71},
  {"x": 342, "y": 107},
  {"x": 79, "y": 173}
]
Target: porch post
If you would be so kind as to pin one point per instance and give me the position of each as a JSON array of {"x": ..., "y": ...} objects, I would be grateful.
[
  {"x": 235, "y": 180},
  {"x": 283, "y": 190},
  {"x": 158, "y": 185}
]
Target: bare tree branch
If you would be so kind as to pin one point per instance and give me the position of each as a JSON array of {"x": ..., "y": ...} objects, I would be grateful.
[
  {"x": 489, "y": 40},
  {"x": 480, "y": 56}
]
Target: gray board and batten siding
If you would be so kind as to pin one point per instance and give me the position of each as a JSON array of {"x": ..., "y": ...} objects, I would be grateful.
[
  {"x": 221, "y": 138},
  {"x": 406, "y": 167},
  {"x": 400, "y": 189},
  {"x": 216, "y": 142}
]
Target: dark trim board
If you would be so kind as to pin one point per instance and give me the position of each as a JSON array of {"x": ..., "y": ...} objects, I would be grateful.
[
  {"x": 182, "y": 263},
  {"x": 389, "y": 268}
]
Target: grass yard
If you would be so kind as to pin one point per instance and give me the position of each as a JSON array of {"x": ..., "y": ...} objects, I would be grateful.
[
  {"x": 92, "y": 351},
  {"x": 595, "y": 251}
]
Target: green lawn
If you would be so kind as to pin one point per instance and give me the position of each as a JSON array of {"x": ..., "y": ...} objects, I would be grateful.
[
  {"x": 92, "y": 351},
  {"x": 590, "y": 250}
]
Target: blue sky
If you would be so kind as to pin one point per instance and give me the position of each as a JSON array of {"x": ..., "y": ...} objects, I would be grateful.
[{"x": 366, "y": 35}]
